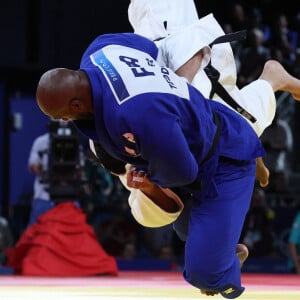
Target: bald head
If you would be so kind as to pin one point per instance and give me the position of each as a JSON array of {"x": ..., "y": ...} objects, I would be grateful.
[{"x": 58, "y": 89}]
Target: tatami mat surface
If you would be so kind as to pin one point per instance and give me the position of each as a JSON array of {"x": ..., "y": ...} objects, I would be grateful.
[{"x": 140, "y": 286}]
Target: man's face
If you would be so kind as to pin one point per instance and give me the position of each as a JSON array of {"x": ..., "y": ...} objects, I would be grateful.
[
  {"x": 85, "y": 116},
  {"x": 74, "y": 116},
  {"x": 66, "y": 113}
]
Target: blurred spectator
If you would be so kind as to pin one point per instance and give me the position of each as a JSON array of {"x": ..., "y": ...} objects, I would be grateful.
[
  {"x": 119, "y": 230},
  {"x": 178, "y": 247},
  {"x": 257, "y": 230},
  {"x": 283, "y": 37},
  {"x": 252, "y": 58},
  {"x": 277, "y": 140},
  {"x": 295, "y": 23},
  {"x": 294, "y": 245},
  {"x": 156, "y": 238},
  {"x": 129, "y": 251},
  {"x": 6, "y": 239},
  {"x": 296, "y": 66},
  {"x": 256, "y": 22},
  {"x": 38, "y": 165},
  {"x": 279, "y": 192},
  {"x": 166, "y": 252},
  {"x": 237, "y": 17},
  {"x": 100, "y": 189}
]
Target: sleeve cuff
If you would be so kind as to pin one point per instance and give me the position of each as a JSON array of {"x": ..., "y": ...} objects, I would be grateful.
[
  {"x": 178, "y": 48},
  {"x": 148, "y": 214}
]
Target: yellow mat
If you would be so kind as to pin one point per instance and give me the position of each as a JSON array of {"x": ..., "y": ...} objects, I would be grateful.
[{"x": 122, "y": 293}]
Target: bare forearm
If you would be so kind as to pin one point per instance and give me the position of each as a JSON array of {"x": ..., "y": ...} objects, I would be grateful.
[
  {"x": 156, "y": 194},
  {"x": 139, "y": 180},
  {"x": 191, "y": 67}
]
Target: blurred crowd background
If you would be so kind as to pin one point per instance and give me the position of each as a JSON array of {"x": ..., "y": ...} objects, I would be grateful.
[{"x": 37, "y": 35}]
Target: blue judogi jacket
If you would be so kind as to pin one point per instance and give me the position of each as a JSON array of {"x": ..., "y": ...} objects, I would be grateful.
[{"x": 167, "y": 121}]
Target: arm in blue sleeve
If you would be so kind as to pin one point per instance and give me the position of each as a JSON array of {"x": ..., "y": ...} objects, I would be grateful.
[{"x": 164, "y": 146}]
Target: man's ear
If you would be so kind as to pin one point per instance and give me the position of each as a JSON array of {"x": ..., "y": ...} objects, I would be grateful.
[{"x": 76, "y": 105}]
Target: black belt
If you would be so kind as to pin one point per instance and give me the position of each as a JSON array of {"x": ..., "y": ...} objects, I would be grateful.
[
  {"x": 197, "y": 185},
  {"x": 214, "y": 75},
  {"x": 217, "y": 121}
]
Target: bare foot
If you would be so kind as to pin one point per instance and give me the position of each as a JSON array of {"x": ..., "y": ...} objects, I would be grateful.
[
  {"x": 242, "y": 253},
  {"x": 208, "y": 293},
  {"x": 280, "y": 79},
  {"x": 262, "y": 172}
]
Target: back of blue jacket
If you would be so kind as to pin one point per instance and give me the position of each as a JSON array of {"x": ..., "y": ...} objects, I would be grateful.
[{"x": 167, "y": 121}]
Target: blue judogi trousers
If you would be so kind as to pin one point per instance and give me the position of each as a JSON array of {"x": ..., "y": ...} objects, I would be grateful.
[{"x": 212, "y": 225}]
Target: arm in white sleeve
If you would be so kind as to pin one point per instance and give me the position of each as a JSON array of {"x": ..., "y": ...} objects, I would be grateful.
[{"x": 146, "y": 212}]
